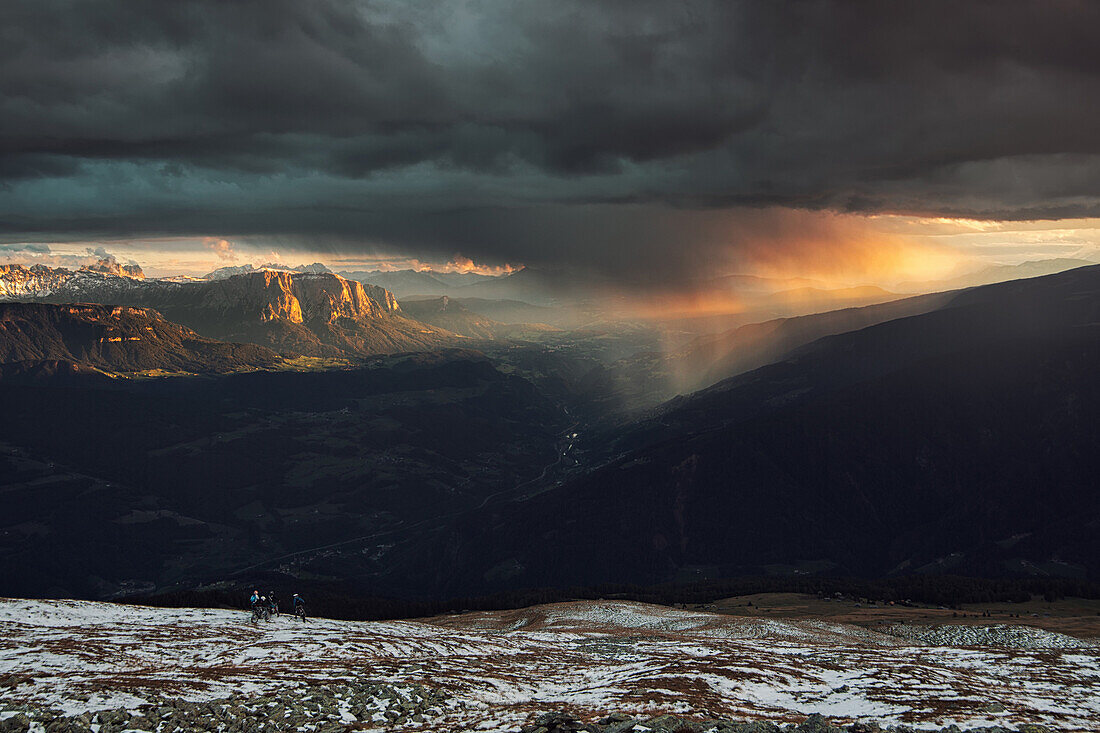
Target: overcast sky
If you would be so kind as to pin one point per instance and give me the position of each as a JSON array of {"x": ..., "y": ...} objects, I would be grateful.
[{"x": 657, "y": 137}]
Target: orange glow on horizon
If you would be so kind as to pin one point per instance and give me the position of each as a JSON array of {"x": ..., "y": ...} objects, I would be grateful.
[
  {"x": 841, "y": 250},
  {"x": 826, "y": 249}
]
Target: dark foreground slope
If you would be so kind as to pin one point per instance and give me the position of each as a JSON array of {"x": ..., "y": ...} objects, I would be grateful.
[
  {"x": 962, "y": 440},
  {"x": 114, "y": 338},
  {"x": 145, "y": 485}
]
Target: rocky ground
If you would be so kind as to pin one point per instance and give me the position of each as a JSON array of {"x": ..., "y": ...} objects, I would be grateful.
[
  {"x": 588, "y": 666},
  {"x": 322, "y": 712}
]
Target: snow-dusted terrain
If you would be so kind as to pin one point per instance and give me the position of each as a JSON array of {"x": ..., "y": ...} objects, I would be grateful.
[
  {"x": 18, "y": 282},
  {"x": 498, "y": 670}
]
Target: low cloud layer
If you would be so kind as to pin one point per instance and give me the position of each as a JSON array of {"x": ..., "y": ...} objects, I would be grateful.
[{"x": 600, "y": 134}]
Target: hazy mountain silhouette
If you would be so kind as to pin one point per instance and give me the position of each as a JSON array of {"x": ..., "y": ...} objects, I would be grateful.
[
  {"x": 996, "y": 274},
  {"x": 709, "y": 359},
  {"x": 453, "y": 315}
]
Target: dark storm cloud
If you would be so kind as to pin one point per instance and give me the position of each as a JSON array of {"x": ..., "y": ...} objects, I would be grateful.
[{"x": 487, "y": 125}]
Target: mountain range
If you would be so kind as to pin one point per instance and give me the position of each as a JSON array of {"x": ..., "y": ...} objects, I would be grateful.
[
  {"x": 21, "y": 282},
  {"x": 996, "y": 274},
  {"x": 312, "y": 314},
  {"x": 952, "y": 432},
  {"x": 221, "y": 273},
  {"x": 295, "y": 311}
]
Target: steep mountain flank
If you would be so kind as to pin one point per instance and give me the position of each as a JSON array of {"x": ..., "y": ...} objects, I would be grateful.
[
  {"x": 113, "y": 338},
  {"x": 709, "y": 359},
  {"x": 962, "y": 440},
  {"x": 53, "y": 372}
]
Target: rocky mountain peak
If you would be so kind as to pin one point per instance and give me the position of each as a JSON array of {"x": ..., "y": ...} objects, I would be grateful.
[
  {"x": 20, "y": 282},
  {"x": 327, "y": 297},
  {"x": 299, "y": 297},
  {"x": 223, "y": 272}
]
